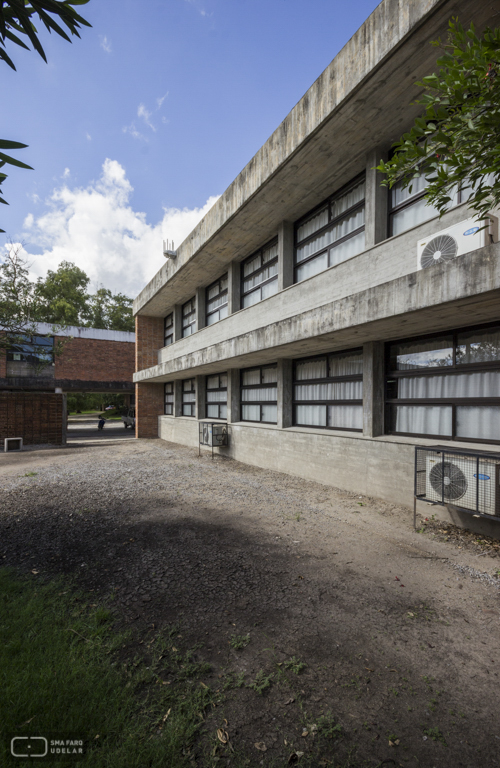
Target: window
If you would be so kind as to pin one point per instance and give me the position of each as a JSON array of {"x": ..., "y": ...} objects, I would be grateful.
[
  {"x": 189, "y": 397},
  {"x": 407, "y": 209},
  {"x": 189, "y": 317},
  {"x": 169, "y": 329},
  {"x": 259, "y": 275},
  {"x": 328, "y": 391},
  {"x": 259, "y": 394},
  {"x": 332, "y": 233},
  {"x": 169, "y": 398},
  {"x": 216, "y": 298},
  {"x": 31, "y": 356},
  {"x": 216, "y": 391},
  {"x": 446, "y": 385}
]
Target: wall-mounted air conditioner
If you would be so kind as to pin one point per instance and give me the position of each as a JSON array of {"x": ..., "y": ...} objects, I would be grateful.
[
  {"x": 467, "y": 482},
  {"x": 468, "y": 235}
]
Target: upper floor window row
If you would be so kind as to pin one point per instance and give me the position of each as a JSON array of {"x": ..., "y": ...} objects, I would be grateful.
[
  {"x": 189, "y": 317},
  {"x": 332, "y": 233},
  {"x": 169, "y": 329},
  {"x": 259, "y": 275},
  {"x": 217, "y": 300}
]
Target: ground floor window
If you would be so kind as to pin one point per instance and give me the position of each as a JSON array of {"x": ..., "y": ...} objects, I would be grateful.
[
  {"x": 216, "y": 402},
  {"x": 259, "y": 394},
  {"x": 169, "y": 398},
  {"x": 446, "y": 385},
  {"x": 328, "y": 391},
  {"x": 189, "y": 397}
]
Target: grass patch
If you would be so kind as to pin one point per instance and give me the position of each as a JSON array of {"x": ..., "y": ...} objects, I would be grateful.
[{"x": 64, "y": 670}]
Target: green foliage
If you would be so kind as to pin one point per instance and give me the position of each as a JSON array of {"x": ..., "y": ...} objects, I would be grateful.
[
  {"x": 456, "y": 142},
  {"x": 62, "y": 295},
  {"x": 261, "y": 683},
  {"x": 294, "y": 665},
  {"x": 104, "y": 310},
  {"x": 16, "y": 21},
  {"x": 328, "y": 727},
  {"x": 238, "y": 642}
]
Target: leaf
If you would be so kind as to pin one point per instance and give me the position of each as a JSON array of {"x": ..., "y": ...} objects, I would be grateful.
[
  {"x": 223, "y": 736},
  {"x": 260, "y": 746},
  {"x": 13, "y": 161},
  {"x": 5, "y": 144}
]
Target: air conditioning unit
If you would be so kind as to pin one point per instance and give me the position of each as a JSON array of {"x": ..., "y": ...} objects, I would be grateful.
[
  {"x": 468, "y": 235},
  {"x": 464, "y": 481}
]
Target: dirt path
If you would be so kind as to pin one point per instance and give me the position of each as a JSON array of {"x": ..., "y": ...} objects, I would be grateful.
[{"x": 399, "y": 631}]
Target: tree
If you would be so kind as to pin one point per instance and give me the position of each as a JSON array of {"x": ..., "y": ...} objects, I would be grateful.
[
  {"x": 16, "y": 21},
  {"x": 62, "y": 296},
  {"x": 456, "y": 143},
  {"x": 111, "y": 312}
]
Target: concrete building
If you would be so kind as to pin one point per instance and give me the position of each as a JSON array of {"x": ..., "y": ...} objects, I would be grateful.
[{"x": 297, "y": 311}]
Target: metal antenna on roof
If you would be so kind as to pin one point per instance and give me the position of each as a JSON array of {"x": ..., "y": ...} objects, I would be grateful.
[{"x": 168, "y": 250}]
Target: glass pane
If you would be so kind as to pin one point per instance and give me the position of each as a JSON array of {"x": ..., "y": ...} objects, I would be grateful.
[
  {"x": 188, "y": 397},
  {"x": 168, "y": 409},
  {"x": 219, "y": 396},
  {"x": 213, "y": 318},
  {"x": 311, "y": 415},
  {"x": 223, "y": 411},
  {"x": 317, "y": 221},
  {"x": 169, "y": 340},
  {"x": 422, "y": 419},
  {"x": 251, "y": 298},
  {"x": 400, "y": 195},
  {"x": 346, "y": 364},
  {"x": 339, "y": 390},
  {"x": 223, "y": 380},
  {"x": 266, "y": 273},
  {"x": 250, "y": 412},
  {"x": 349, "y": 224},
  {"x": 312, "y": 369},
  {"x": 216, "y": 302},
  {"x": 431, "y": 353},
  {"x": 478, "y": 346},
  {"x": 169, "y": 398},
  {"x": 474, "y": 385},
  {"x": 481, "y": 422},
  {"x": 251, "y": 266},
  {"x": 223, "y": 311},
  {"x": 213, "y": 291},
  {"x": 347, "y": 249},
  {"x": 187, "y": 385},
  {"x": 188, "y": 307},
  {"x": 169, "y": 321},
  {"x": 251, "y": 377},
  {"x": 270, "y": 253},
  {"x": 412, "y": 215},
  {"x": 259, "y": 395},
  {"x": 223, "y": 283},
  {"x": 169, "y": 387},
  {"x": 270, "y": 288},
  {"x": 187, "y": 331},
  {"x": 270, "y": 413},
  {"x": 318, "y": 244},
  {"x": 213, "y": 411},
  {"x": 345, "y": 416},
  {"x": 187, "y": 410},
  {"x": 269, "y": 375},
  {"x": 212, "y": 382},
  {"x": 313, "y": 267},
  {"x": 350, "y": 198}
]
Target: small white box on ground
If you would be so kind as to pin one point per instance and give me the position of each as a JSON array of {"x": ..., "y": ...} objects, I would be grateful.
[{"x": 12, "y": 444}]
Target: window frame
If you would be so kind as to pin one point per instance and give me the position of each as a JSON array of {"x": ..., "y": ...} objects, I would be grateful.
[
  {"x": 224, "y": 291},
  {"x": 168, "y": 330},
  {"x": 185, "y": 316},
  {"x": 25, "y": 355},
  {"x": 171, "y": 403},
  {"x": 326, "y": 380},
  {"x": 265, "y": 385},
  {"x": 263, "y": 266},
  {"x": 332, "y": 220},
  {"x": 190, "y": 403},
  {"x": 451, "y": 370},
  {"x": 215, "y": 389}
]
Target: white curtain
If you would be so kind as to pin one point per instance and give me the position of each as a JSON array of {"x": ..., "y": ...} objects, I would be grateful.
[
  {"x": 270, "y": 253},
  {"x": 414, "y": 214},
  {"x": 322, "y": 241},
  {"x": 251, "y": 266},
  {"x": 223, "y": 411},
  {"x": 480, "y": 384},
  {"x": 423, "y": 419},
  {"x": 213, "y": 411},
  {"x": 345, "y": 416},
  {"x": 353, "y": 196},
  {"x": 251, "y": 298},
  {"x": 338, "y": 390},
  {"x": 250, "y": 412},
  {"x": 314, "y": 223},
  {"x": 251, "y": 377},
  {"x": 311, "y": 415},
  {"x": 312, "y": 369},
  {"x": 346, "y": 365},
  {"x": 217, "y": 397},
  {"x": 269, "y": 289},
  {"x": 269, "y": 375},
  {"x": 270, "y": 413},
  {"x": 479, "y": 421},
  {"x": 264, "y": 394},
  {"x": 348, "y": 248},
  {"x": 319, "y": 264}
]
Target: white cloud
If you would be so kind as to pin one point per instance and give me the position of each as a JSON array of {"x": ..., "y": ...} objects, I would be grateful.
[
  {"x": 132, "y": 130},
  {"x": 66, "y": 173},
  {"x": 97, "y": 229},
  {"x": 160, "y": 100},
  {"x": 105, "y": 43},
  {"x": 89, "y": 137},
  {"x": 146, "y": 116}
]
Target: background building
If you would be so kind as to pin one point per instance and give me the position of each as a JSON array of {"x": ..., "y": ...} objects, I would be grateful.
[{"x": 299, "y": 310}]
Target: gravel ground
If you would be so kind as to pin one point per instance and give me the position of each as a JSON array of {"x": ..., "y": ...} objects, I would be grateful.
[{"x": 398, "y": 630}]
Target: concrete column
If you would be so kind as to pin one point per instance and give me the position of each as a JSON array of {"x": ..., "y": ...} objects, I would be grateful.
[
  {"x": 284, "y": 393},
  {"x": 149, "y": 405},
  {"x": 373, "y": 388},
  {"x": 376, "y": 200},
  {"x": 177, "y": 322},
  {"x": 201, "y": 409},
  {"x": 233, "y": 396},
  {"x": 234, "y": 287},
  {"x": 201, "y": 313},
  {"x": 285, "y": 255},
  {"x": 178, "y": 398}
]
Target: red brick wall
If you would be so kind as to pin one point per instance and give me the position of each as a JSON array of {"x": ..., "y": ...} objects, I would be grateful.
[
  {"x": 148, "y": 406},
  {"x": 149, "y": 338},
  {"x": 3, "y": 364},
  {"x": 39, "y": 418},
  {"x": 96, "y": 360}
]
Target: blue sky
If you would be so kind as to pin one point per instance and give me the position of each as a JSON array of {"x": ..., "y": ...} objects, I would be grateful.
[{"x": 136, "y": 128}]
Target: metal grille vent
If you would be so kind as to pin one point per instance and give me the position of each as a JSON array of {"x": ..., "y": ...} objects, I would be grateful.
[
  {"x": 448, "y": 478},
  {"x": 439, "y": 249}
]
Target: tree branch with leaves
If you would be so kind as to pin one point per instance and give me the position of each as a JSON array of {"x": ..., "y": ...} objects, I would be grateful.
[{"x": 456, "y": 142}]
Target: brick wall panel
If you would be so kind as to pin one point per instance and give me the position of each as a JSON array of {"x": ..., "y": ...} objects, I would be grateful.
[
  {"x": 37, "y": 417},
  {"x": 96, "y": 360}
]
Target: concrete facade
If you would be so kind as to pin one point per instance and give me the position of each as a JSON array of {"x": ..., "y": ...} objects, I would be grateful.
[{"x": 338, "y": 132}]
